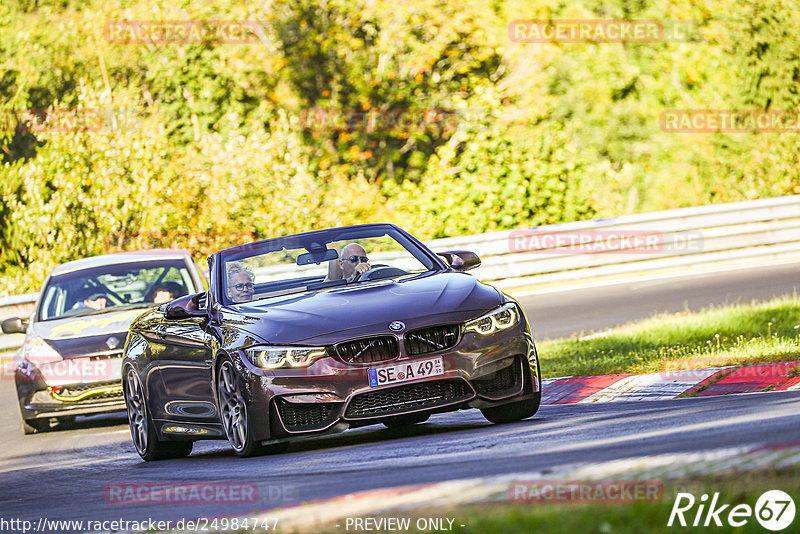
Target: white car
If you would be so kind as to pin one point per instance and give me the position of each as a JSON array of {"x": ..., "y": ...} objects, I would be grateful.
[{"x": 70, "y": 363}]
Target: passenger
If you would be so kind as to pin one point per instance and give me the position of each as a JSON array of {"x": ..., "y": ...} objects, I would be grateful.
[
  {"x": 95, "y": 301},
  {"x": 240, "y": 283},
  {"x": 353, "y": 260},
  {"x": 165, "y": 292}
]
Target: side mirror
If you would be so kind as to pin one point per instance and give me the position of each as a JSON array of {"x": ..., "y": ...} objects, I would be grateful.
[
  {"x": 14, "y": 326},
  {"x": 461, "y": 260},
  {"x": 186, "y": 307}
]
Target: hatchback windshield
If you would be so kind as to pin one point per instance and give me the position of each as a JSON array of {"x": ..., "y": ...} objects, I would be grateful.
[
  {"x": 112, "y": 287},
  {"x": 318, "y": 261}
]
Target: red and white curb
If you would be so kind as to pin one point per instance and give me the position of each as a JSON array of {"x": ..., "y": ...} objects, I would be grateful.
[
  {"x": 671, "y": 384},
  {"x": 332, "y": 513}
]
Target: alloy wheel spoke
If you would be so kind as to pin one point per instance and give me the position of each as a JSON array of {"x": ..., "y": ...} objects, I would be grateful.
[{"x": 232, "y": 406}]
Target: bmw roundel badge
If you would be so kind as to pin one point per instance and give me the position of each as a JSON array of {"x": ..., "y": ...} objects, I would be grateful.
[{"x": 396, "y": 326}]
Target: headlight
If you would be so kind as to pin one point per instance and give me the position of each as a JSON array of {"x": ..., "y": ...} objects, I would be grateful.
[
  {"x": 284, "y": 357},
  {"x": 37, "y": 351},
  {"x": 504, "y": 317}
]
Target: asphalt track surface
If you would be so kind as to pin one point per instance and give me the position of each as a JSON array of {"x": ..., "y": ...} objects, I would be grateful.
[
  {"x": 70, "y": 474},
  {"x": 563, "y": 313}
]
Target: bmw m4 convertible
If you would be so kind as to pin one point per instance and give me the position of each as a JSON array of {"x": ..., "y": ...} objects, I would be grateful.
[{"x": 323, "y": 331}]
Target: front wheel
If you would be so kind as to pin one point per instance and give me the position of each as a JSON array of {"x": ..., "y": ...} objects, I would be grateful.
[
  {"x": 143, "y": 431},
  {"x": 513, "y": 411},
  {"x": 233, "y": 412}
]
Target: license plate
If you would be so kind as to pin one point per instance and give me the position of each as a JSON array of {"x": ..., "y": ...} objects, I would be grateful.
[{"x": 403, "y": 372}]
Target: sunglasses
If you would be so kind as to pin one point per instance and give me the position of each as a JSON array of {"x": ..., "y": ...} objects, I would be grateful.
[
  {"x": 241, "y": 287},
  {"x": 355, "y": 259}
]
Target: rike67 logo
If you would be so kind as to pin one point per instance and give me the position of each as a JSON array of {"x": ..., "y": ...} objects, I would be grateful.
[{"x": 774, "y": 510}]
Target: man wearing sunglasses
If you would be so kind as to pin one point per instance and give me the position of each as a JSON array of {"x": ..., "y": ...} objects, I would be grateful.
[
  {"x": 240, "y": 283},
  {"x": 353, "y": 260}
]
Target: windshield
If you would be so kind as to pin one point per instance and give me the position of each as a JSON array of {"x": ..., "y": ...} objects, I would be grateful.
[
  {"x": 111, "y": 287},
  {"x": 318, "y": 261}
]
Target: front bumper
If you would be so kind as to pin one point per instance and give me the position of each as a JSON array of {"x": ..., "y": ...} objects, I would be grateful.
[
  {"x": 38, "y": 399},
  {"x": 479, "y": 372}
]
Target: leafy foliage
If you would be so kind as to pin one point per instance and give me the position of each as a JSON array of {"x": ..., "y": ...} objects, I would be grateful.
[{"x": 420, "y": 112}]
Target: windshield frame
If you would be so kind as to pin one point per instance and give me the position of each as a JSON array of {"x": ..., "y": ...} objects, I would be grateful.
[
  {"x": 133, "y": 263},
  {"x": 415, "y": 247}
]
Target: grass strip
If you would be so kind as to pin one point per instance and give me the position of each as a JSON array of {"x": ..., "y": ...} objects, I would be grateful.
[
  {"x": 636, "y": 517},
  {"x": 741, "y": 334}
]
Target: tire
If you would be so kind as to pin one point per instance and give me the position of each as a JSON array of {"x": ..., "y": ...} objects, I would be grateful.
[
  {"x": 34, "y": 426},
  {"x": 514, "y": 411},
  {"x": 234, "y": 416},
  {"x": 143, "y": 432},
  {"x": 401, "y": 421}
]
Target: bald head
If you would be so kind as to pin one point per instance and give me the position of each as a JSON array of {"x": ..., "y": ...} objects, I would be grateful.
[{"x": 348, "y": 265}]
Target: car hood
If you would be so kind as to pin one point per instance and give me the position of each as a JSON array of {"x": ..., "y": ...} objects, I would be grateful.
[
  {"x": 364, "y": 308},
  {"x": 80, "y": 336}
]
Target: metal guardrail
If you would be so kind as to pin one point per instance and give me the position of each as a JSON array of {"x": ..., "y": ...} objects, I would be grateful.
[
  {"x": 683, "y": 238},
  {"x": 766, "y": 229}
]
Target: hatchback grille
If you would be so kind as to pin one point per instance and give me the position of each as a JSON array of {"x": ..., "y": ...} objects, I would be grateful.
[
  {"x": 91, "y": 391},
  {"x": 305, "y": 416},
  {"x": 368, "y": 350},
  {"x": 400, "y": 399},
  {"x": 504, "y": 381},
  {"x": 431, "y": 339}
]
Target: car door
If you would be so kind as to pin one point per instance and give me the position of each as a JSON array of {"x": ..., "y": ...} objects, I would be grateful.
[{"x": 185, "y": 368}]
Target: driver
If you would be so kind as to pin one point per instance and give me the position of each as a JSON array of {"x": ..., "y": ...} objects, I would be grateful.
[
  {"x": 240, "y": 282},
  {"x": 95, "y": 301},
  {"x": 353, "y": 260}
]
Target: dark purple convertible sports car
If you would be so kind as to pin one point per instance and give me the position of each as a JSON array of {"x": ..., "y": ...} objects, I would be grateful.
[{"x": 318, "y": 332}]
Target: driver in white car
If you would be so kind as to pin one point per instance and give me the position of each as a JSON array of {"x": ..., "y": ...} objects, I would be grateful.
[{"x": 353, "y": 260}]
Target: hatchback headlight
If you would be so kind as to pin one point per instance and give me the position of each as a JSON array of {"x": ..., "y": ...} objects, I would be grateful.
[
  {"x": 38, "y": 351},
  {"x": 284, "y": 357},
  {"x": 502, "y": 318}
]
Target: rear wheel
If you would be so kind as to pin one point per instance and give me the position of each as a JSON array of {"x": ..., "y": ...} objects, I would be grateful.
[
  {"x": 233, "y": 412},
  {"x": 400, "y": 421},
  {"x": 143, "y": 431}
]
